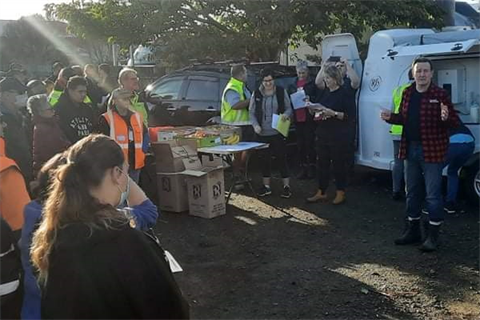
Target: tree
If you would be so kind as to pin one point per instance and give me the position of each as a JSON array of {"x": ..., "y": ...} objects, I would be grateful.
[
  {"x": 24, "y": 42},
  {"x": 232, "y": 29}
]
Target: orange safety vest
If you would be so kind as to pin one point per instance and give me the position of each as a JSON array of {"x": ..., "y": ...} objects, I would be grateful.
[
  {"x": 13, "y": 192},
  {"x": 119, "y": 132}
]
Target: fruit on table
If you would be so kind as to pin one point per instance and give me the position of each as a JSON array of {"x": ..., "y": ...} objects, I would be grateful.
[{"x": 233, "y": 139}]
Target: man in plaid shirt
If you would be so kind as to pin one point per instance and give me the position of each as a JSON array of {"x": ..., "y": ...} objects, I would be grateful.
[{"x": 426, "y": 114}]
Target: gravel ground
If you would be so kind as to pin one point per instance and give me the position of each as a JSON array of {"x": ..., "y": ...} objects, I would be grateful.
[{"x": 283, "y": 258}]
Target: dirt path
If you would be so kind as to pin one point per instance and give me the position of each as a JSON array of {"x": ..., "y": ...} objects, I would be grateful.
[{"x": 288, "y": 259}]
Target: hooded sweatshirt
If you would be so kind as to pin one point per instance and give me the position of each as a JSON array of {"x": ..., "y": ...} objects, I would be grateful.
[
  {"x": 76, "y": 120},
  {"x": 116, "y": 273}
]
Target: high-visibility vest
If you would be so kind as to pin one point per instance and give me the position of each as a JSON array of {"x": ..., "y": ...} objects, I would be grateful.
[
  {"x": 119, "y": 132},
  {"x": 55, "y": 95},
  {"x": 13, "y": 195},
  {"x": 229, "y": 115},
  {"x": 397, "y": 129},
  {"x": 139, "y": 107}
]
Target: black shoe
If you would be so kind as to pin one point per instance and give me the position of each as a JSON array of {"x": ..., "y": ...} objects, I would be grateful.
[
  {"x": 411, "y": 234},
  {"x": 264, "y": 191},
  {"x": 431, "y": 243},
  {"x": 424, "y": 211},
  {"x": 286, "y": 192},
  {"x": 450, "y": 207},
  {"x": 398, "y": 196}
]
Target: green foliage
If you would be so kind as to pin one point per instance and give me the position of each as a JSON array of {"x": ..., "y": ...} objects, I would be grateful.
[
  {"x": 233, "y": 29},
  {"x": 23, "y": 42}
]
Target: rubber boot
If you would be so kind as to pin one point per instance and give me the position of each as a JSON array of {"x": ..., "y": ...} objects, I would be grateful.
[
  {"x": 311, "y": 171},
  {"x": 319, "y": 196},
  {"x": 303, "y": 172},
  {"x": 411, "y": 234},
  {"x": 425, "y": 226},
  {"x": 339, "y": 197},
  {"x": 431, "y": 244}
]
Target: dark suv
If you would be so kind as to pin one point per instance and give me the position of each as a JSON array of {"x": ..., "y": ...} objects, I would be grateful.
[{"x": 193, "y": 95}]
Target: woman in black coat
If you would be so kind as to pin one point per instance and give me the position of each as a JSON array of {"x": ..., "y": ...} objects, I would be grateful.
[{"x": 92, "y": 264}]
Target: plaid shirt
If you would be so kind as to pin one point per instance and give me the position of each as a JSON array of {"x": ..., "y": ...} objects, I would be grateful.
[{"x": 433, "y": 131}]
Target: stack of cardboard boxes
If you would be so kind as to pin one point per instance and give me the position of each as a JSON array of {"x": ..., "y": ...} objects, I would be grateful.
[{"x": 187, "y": 183}]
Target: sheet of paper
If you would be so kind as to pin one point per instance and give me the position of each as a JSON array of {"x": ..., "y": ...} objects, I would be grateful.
[
  {"x": 298, "y": 99},
  {"x": 281, "y": 125},
  {"x": 174, "y": 265}
]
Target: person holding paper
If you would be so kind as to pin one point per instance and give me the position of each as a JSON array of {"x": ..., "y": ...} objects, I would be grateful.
[
  {"x": 269, "y": 102},
  {"x": 335, "y": 117},
  {"x": 304, "y": 124}
]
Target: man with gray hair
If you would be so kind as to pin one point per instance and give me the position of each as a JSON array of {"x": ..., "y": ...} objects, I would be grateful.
[{"x": 128, "y": 79}]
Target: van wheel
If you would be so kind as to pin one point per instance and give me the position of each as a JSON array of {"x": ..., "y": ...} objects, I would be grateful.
[{"x": 472, "y": 183}]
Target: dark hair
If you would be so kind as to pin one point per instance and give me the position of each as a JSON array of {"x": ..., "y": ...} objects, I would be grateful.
[
  {"x": 42, "y": 184},
  {"x": 267, "y": 72},
  {"x": 57, "y": 64},
  {"x": 237, "y": 70},
  {"x": 76, "y": 81},
  {"x": 69, "y": 200},
  {"x": 422, "y": 60},
  {"x": 105, "y": 68}
]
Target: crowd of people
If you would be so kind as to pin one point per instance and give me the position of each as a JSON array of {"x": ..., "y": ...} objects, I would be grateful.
[
  {"x": 70, "y": 203},
  {"x": 72, "y": 147}
]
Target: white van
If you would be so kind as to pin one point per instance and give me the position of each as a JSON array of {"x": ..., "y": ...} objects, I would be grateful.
[{"x": 455, "y": 55}]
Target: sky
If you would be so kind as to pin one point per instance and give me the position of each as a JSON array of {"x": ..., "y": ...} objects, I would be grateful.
[{"x": 15, "y": 9}]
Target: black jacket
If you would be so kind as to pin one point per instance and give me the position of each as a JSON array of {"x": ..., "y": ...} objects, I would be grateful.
[
  {"x": 110, "y": 274},
  {"x": 10, "y": 274},
  {"x": 75, "y": 121},
  {"x": 18, "y": 141}
]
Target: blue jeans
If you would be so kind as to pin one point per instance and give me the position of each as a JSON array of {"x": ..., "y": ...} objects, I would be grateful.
[
  {"x": 423, "y": 178},
  {"x": 398, "y": 173},
  {"x": 457, "y": 155}
]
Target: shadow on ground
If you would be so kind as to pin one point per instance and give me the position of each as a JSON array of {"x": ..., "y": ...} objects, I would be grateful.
[{"x": 284, "y": 258}]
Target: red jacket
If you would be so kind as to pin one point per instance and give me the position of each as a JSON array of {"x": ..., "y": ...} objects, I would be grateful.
[
  {"x": 48, "y": 140},
  {"x": 433, "y": 131}
]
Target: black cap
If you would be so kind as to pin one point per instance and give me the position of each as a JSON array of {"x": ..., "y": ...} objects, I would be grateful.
[{"x": 12, "y": 84}]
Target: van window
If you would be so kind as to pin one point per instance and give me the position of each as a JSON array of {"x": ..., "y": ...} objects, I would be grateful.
[
  {"x": 202, "y": 90},
  {"x": 168, "y": 90}
]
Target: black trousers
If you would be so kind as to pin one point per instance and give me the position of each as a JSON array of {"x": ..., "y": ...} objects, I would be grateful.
[
  {"x": 306, "y": 142},
  {"x": 333, "y": 158},
  {"x": 278, "y": 149}
]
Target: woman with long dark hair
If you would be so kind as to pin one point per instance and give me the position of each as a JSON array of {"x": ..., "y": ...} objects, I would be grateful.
[{"x": 91, "y": 262}]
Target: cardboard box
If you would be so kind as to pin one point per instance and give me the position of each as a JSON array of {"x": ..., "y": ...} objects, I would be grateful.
[
  {"x": 208, "y": 141},
  {"x": 175, "y": 156},
  {"x": 206, "y": 192},
  {"x": 224, "y": 131},
  {"x": 172, "y": 192},
  {"x": 169, "y": 134}
]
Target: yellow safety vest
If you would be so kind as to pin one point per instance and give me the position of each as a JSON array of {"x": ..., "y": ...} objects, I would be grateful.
[
  {"x": 229, "y": 115},
  {"x": 55, "y": 95},
  {"x": 139, "y": 107},
  {"x": 397, "y": 129}
]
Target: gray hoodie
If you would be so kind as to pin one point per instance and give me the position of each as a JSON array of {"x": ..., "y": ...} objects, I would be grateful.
[{"x": 270, "y": 106}]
